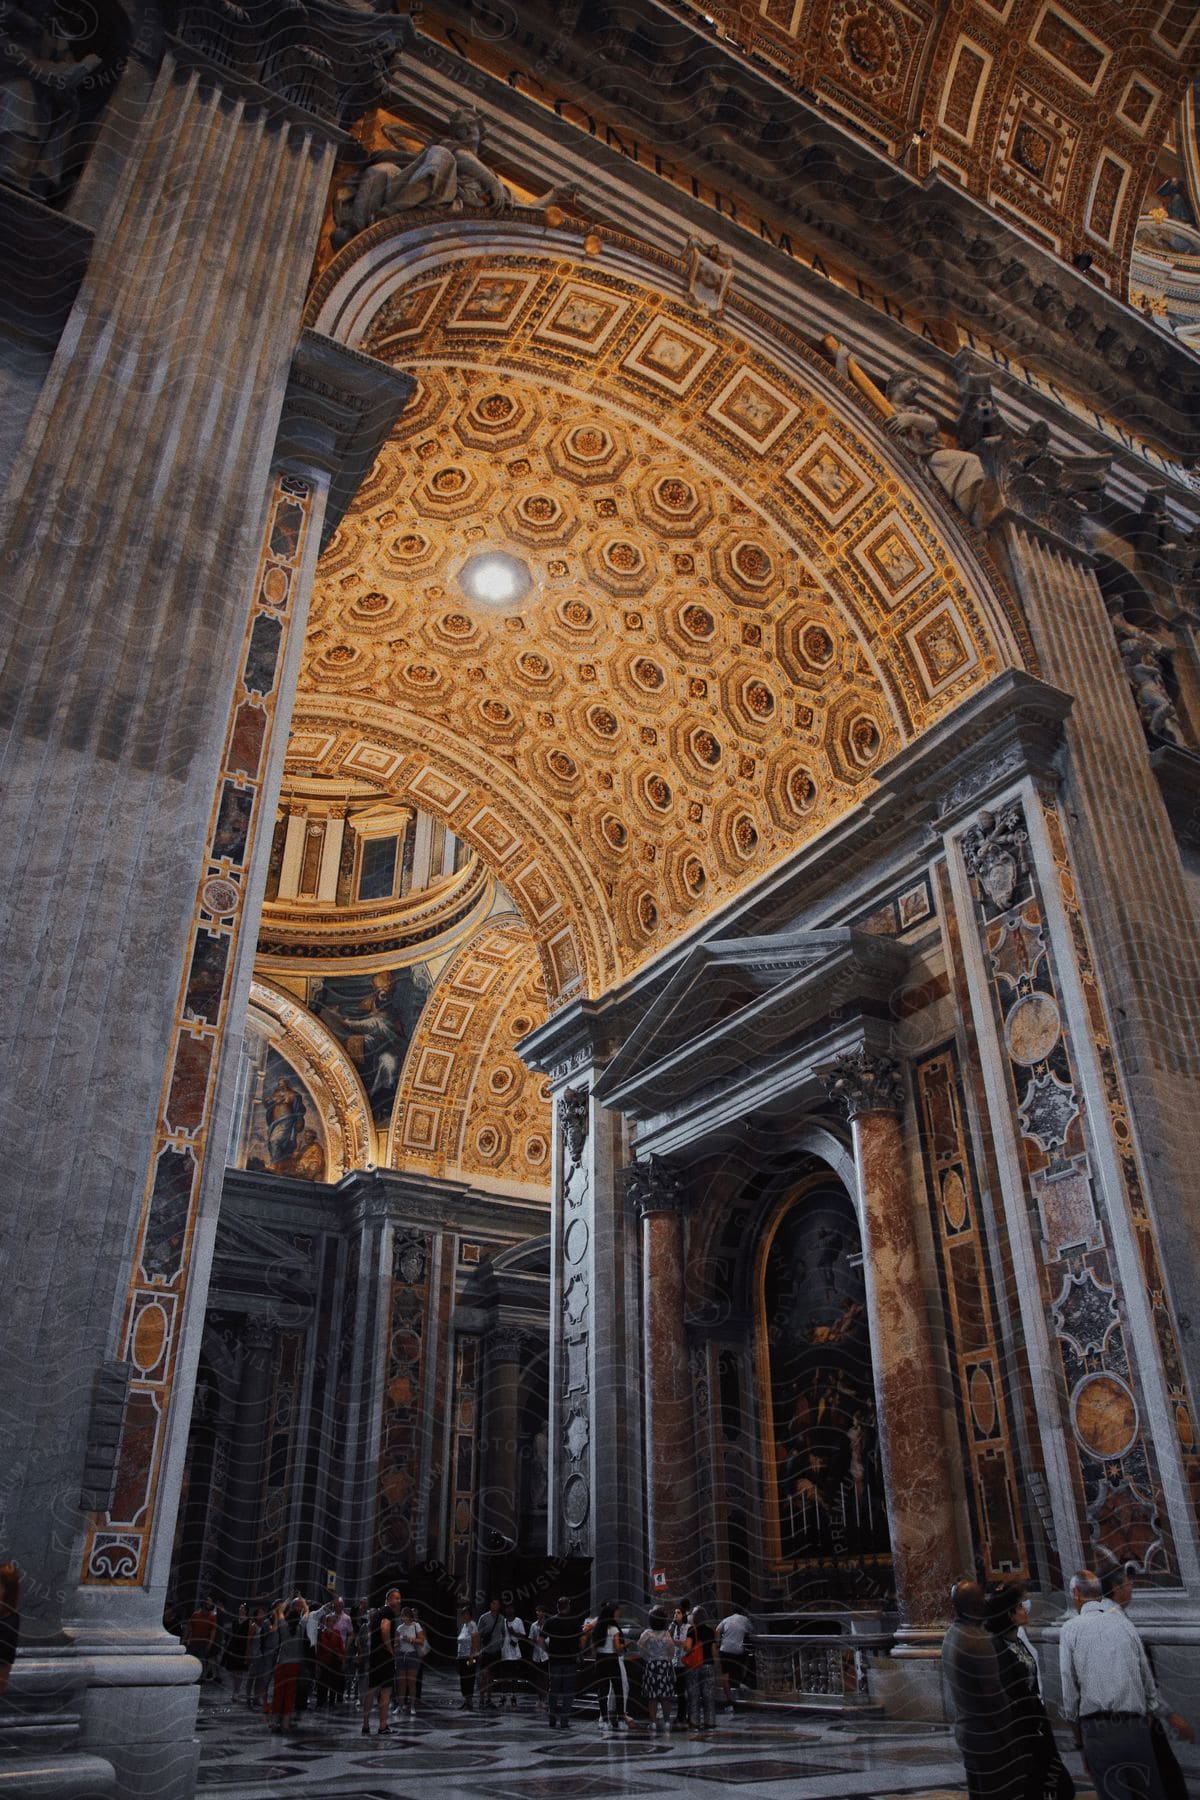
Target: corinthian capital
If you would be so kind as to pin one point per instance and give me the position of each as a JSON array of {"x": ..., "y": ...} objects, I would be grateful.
[
  {"x": 655, "y": 1185},
  {"x": 860, "y": 1083}
]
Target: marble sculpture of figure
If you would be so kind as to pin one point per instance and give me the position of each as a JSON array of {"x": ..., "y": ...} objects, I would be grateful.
[
  {"x": 449, "y": 173},
  {"x": 1144, "y": 657},
  {"x": 957, "y": 469}
]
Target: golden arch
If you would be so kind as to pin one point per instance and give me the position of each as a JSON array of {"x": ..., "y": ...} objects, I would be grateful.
[{"x": 746, "y": 599}]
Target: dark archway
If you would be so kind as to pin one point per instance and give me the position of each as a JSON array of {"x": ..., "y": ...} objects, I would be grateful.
[{"x": 826, "y": 1512}]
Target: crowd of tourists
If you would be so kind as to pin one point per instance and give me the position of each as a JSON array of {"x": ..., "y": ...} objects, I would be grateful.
[
  {"x": 292, "y": 1656},
  {"x": 1121, "y": 1724}
]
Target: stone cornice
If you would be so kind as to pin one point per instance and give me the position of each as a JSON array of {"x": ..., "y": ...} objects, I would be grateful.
[
  {"x": 936, "y": 248},
  {"x": 339, "y": 411},
  {"x": 324, "y": 62},
  {"x": 420, "y": 1202},
  {"x": 696, "y": 1036}
]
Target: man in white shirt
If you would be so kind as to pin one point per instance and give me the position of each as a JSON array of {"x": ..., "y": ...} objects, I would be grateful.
[
  {"x": 731, "y": 1642},
  {"x": 1110, "y": 1694}
]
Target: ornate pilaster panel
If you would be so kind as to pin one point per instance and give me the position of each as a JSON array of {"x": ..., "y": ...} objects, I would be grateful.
[
  {"x": 462, "y": 1532},
  {"x": 1113, "y": 1459},
  {"x": 594, "y": 1505},
  {"x": 401, "y": 1423},
  {"x": 154, "y": 1307},
  {"x": 982, "y": 1382},
  {"x": 1166, "y": 1332}
]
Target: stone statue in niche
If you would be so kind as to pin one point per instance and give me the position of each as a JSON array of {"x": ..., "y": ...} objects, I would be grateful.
[
  {"x": 1146, "y": 659},
  {"x": 994, "y": 852},
  {"x": 41, "y": 87},
  {"x": 710, "y": 273}
]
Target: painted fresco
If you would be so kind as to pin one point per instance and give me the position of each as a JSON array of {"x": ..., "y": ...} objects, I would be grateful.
[
  {"x": 832, "y": 1516},
  {"x": 373, "y": 1017},
  {"x": 283, "y": 1133}
]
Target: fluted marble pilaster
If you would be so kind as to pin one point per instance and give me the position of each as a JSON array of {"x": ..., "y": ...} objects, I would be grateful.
[{"x": 1139, "y": 915}]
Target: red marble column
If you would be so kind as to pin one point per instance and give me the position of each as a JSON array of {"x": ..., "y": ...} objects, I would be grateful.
[
  {"x": 919, "y": 1481},
  {"x": 657, "y": 1192}
]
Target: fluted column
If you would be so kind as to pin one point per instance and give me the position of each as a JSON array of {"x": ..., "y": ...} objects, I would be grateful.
[
  {"x": 918, "y": 1479},
  {"x": 159, "y": 534},
  {"x": 658, "y": 1192}
]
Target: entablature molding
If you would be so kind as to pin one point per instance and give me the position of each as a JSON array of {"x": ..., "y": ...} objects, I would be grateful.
[
  {"x": 338, "y": 412},
  {"x": 937, "y": 253},
  {"x": 364, "y": 1197}
]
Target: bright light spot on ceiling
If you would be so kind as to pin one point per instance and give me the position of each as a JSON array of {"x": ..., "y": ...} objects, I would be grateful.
[{"x": 495, "y": 579}]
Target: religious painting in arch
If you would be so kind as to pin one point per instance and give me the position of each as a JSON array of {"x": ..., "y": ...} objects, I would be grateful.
[
  {"x": 280, "y": 1129},
  {"x": 373, "y": 1017},
  {"x": 826, "y": 1513}
]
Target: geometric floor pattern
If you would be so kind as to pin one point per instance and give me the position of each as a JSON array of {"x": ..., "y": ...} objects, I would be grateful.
[{"x": 448, "y": 1755}]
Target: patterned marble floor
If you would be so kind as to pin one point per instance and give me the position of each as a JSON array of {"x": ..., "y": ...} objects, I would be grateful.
[{"x": 502, "y": 1756}]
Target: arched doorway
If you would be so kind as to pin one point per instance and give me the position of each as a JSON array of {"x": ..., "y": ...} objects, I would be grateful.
[{"x": 826, "y": 1515}]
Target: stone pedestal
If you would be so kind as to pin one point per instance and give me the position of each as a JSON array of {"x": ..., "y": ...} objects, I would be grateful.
[
  {"x": 919, "y": 1481},
  {"x": 672, "y": 1520}
]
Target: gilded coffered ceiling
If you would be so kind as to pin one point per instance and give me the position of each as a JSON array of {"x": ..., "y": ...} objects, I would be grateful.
[
  {"x": 737, "y": 608},
  {"x": 468, "y": 1108},
  {"x": 1051, "y": 111}
]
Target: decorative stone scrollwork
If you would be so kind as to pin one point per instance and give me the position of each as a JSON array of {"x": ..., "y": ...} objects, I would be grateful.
[
  {"x": 408, "y": 1261},
  {"x": 710, "y": 274},
  {"x": 994, "y": 852},
  {"x": 655, "y": 1185},
  {"x": 859, "y": 1082},
  {"x": 1053, "y": 492},
  {"x": 575, "y": 1113}
]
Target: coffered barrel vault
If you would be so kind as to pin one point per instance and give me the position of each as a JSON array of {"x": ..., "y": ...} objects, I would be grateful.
[{"x": 743, "y": 601}]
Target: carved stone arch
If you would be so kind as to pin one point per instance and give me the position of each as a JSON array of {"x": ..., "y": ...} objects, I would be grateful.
[
  {"x": 482, "y": 800},
  {"x": 821, "y": 1141},
  {"x": 355, "y": 288},
  {"x": 726, "y": 1234}
]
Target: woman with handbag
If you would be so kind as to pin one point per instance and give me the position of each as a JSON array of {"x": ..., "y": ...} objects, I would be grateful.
[
  {"x": 658, "y": 1670},
  {"x": 699, "y": 1661}
]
